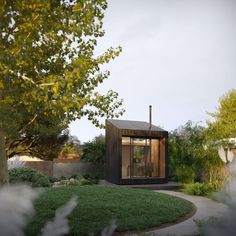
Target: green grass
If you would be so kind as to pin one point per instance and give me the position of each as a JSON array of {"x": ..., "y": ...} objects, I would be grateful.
[{"x": 132, "y": 209}]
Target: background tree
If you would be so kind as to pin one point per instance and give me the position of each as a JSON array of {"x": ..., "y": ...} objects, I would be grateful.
[
  {"x": 223, "y": 126},
  {"x": 94, "y": 151},
  {"x": 43, "y": 140},
  {"x": 185, "y": 151},
  {"x": 72, "y": 145},
  {"x": 192, "y": 158},
  {"x": 48, "y": 70},
  {"x": 46, "y": 147}
]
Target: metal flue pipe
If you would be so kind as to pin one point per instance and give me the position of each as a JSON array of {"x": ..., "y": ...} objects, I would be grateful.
[
  {"x": 150, "y": 168},
  {"x": 150, "y": 117}
]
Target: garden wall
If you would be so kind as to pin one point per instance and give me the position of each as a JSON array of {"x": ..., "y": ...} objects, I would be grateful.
[
  {"x": 75, "y": 167},
  {"x": 45, "y": 167},
  {"x": 67, "y": 167}
]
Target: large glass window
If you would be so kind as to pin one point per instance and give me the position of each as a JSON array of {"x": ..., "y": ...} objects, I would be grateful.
[{"x": 142, "y": 158}]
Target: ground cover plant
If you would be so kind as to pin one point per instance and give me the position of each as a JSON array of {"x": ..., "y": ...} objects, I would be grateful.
[
  {"x": 28, "y": 176},
  {"x": 132, "y": 209},
  {"x": 198, "y": 189}
]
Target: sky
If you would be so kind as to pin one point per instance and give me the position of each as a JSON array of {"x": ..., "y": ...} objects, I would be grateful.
[{"x": 178, "y": 56}]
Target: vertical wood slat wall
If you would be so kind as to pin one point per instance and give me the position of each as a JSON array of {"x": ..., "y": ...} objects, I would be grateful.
[{"x": 113, "y": 161}]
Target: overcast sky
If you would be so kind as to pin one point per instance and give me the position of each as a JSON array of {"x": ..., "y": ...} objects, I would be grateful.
[{"x": 178, "y": 56}]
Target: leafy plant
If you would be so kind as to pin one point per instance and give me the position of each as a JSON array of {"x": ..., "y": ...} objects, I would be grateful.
[
  {"x": 91, "y": 176},
  {"x": 72, "y": 145},
  {"x": 84, "y": 181},
  {"x": 94, "y": 151},
  {"x": 53, "y": 179},
  {"x": 49, "y": 71},
  {"x": 224, "y": 124},
  {"x": 185, "y": 174},
  {"x": 76, "y": 181},
  {"x": 74, "y": 176},
  {"x": 192, "y": 158},
  {"x": 199, "y": 189},
  {"x": 90, "y": 179},
  {"x": 186, "y": 147},
  {"x": 29, "y": 176}
]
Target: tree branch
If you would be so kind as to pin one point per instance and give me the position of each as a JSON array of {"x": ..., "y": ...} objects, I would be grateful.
[{"x": 28, "y": 124}]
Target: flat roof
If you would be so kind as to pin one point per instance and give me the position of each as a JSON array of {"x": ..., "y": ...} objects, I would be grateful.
[{"x": 134, "y": 125}]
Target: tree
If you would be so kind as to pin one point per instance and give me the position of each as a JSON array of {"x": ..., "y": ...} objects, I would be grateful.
[
  {"x": 223, "y": 126},
  {"x": 72, "y": 145},
  {"x": 48, "y": 70},
  {"x": 46, "y": 147},
  {"x": 94, "y": 151},
  {"x": 192, "y": 158},
  {"x": 186, "y": 151},
  {"x": 38, "y": 142}
]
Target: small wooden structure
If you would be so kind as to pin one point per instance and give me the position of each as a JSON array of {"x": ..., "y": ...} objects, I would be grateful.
[{"x": 136, "y": 153}]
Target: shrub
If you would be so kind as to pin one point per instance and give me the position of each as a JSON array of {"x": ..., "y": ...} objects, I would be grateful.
[
  {"x": 199, "y": 189},
  {"x": 91, "y": 179},
  {"x": 91, "y": 176},
  {"x": 53, "y": 179},
  {"x": 94, "y": 151},
  {"x": 70, "y": 181},
  {"x": 185, "y": 174},
  {"x": 173, "y": 178},
  {"x": 74, "y": 176},
  {"x": 29, "y": 176},
  {"x": 84, "y": 181},
  {"x": 63, "y": 178}
]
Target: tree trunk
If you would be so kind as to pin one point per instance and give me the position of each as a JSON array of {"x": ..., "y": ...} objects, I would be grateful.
[{"x": 4, "y": 178}]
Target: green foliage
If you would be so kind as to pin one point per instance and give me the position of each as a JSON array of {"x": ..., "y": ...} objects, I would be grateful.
[
  {"x": 186, "y": 151},
  {"x": 29, "y": 176},
  {"x": 94, "y": 151},
  {"x": 68, "y": 181},
  {"x": 76, "y": 180},
  {"x": 74, "y": 176},
  {"x": 91, "y": 176},
  {"x": 192, "y": 158},
  {"x": 48, "y": 71},
  {"x": 63, "y": 177},
  {"x": 72, "y": 145},
  {"x": 199, "y": 189},
  {"x": 224, "y": 124},
  {"x": 48, "y": 68},
  {"x": 53, "y": 179},
  {"x": 133, "y": 209},
  {"x": 47, "y": 146},
  {"x": 88, "y": 181},
  {"x": 213, "y": 168},
  {"x": 185, "y": 174}
]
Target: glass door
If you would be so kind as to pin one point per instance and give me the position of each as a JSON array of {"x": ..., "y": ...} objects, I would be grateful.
[
  {"x": 139, "y": 156},
  {"x": 142, "y": 157}
]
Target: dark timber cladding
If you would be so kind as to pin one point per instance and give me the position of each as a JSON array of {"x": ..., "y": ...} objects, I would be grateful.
[{"x": 135, "y": 154}]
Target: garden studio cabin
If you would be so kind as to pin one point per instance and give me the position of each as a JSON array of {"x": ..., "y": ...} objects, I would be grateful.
[{"x": 136, "y": 153}]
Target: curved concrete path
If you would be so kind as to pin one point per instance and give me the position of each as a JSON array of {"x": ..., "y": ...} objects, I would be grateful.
[{"x": 205, "y": 209}]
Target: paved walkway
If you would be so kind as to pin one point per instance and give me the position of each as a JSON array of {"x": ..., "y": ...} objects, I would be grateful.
[{"x": 205, "y": 209}]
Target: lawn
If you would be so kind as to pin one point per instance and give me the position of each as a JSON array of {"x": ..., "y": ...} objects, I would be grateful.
[{"x": 133, "y": 209}]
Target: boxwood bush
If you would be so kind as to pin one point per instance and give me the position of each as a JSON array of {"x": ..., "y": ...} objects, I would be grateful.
[{"x": 28, "y": 176}]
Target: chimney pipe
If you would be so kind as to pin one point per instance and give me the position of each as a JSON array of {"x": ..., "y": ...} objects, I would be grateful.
[{"x": 150, "y": 117}]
